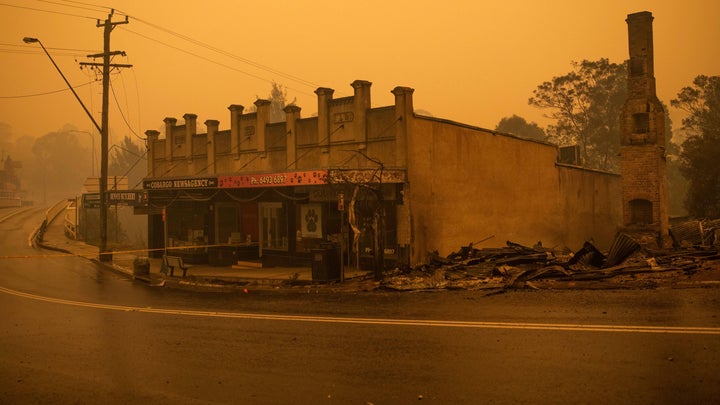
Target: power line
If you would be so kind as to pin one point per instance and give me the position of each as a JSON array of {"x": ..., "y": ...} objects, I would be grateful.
[
  {"x": 51, "y": 48},
  {"x": 87, "y": 6},
  {"x": 197, "y": 42},
  {"x": 208, "y": 60},
  {"x": 137, "y": 95},
  {"x": 95, "y": 8},
  {"x": 228, "y": 54},
  {"x": 29, "y": 52},
  {"x": 46, "y": 93},
  {"x": 112, "y": 89},
  {"x": 48, "y": 11}
]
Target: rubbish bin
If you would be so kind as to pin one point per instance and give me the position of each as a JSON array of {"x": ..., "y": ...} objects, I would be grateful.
[
  {"x": 141, "y": 266},
  {"x": 325, "y": 264}
]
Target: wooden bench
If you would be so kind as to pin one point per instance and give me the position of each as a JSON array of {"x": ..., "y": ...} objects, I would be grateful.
[{"x": 174, "y": 261}]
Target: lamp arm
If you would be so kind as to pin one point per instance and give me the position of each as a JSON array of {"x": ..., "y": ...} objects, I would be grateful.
[{"x": 71, "y": 88}]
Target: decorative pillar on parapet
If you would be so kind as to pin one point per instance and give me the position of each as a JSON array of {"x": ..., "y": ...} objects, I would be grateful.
[
  {"x": 361, "y": 105},
  {"x": 263, "y": 117},
  {"x": 292, "y": 114},
  {"x": 403, "y": 113},
  {"x": 235, "y": 112},
  {"x": 324, "y": 96},
  {"x": 190, "y": 131},
  {"x": 169, "y": 141},
  {"x": 152, "y": 137},
  {"x": 212, "y": 128}
]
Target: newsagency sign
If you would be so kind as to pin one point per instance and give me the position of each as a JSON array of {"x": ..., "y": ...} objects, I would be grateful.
[{"x": 178, "y": 184}]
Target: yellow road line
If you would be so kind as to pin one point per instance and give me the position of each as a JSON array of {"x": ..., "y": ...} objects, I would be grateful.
[
  {"x": 116, "y": 252},
  {"x": 380, "y": 321}
]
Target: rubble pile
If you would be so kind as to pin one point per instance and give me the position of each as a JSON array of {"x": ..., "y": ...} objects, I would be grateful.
[{"x": 627, "y": 264}]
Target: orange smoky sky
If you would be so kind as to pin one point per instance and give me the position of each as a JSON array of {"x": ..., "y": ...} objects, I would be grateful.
[{"x": 474, "y": 62}]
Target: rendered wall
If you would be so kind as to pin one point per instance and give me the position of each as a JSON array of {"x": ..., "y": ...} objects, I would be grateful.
[
  {"x": 467, "y": 184},
  {"x": 591, "y": 206}
]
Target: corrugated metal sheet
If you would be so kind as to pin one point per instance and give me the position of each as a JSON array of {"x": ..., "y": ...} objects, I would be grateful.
[{"x": 689, "y": 232}]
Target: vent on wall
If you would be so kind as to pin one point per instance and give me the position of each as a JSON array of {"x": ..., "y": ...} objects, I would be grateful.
[{"x": 570, "y": 155}]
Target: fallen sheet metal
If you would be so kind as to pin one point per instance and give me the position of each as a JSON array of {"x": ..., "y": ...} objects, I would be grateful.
[
  {"x": 588, "y": 254},
  {"x": 622, "y": 247}
]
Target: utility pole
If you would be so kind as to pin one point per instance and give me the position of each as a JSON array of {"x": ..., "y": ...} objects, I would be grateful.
[{"x": 108, "y": 26}]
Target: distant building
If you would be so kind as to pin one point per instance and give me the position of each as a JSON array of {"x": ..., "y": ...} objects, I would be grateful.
[
  {"x": 280, "y": 190},
  {"x": 10, "y": 192}
]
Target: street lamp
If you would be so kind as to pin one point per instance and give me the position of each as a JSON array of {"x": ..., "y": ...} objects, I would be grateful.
[
  {"x": 103, "y": 256},
  {"x": 29, "y": 40}
]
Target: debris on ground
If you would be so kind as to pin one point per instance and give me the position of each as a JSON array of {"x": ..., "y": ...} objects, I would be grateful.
[{"x": 627, "y": 264}]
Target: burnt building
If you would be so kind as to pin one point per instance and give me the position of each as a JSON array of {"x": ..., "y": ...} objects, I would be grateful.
[
  {"x": 642, "y": 149},
  {"x": 364, "y": 178}
]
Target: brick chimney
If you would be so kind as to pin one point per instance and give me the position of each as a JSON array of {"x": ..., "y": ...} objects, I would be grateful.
[{"x": 642, "y": 144}]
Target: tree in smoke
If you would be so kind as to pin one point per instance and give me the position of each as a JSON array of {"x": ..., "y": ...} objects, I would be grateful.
[
  {"x": 677, "y": 183},
  {"x": 59, "y": 165},
  {"x": 517, "y": 125},
  {"x": 19, "y": 149},
  {"x": 585, "y": 104},
  {"x": 700, "y": 151},
  {"x": 128, "y": 159},
  {"x": 278, "y": 101}
]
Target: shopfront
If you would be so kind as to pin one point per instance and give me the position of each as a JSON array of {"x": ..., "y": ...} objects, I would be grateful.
[{"x": 275, "y": 219}]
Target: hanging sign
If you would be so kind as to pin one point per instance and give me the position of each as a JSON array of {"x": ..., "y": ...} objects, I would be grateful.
[{"x": 133, "y": 198}]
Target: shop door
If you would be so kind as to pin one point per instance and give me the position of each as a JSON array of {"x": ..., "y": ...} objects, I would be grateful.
[{"x": 273, "y": 227}]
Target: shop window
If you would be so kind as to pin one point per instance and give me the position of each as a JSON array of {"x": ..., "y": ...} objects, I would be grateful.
[
  {"x": 186, "y": 224},
  {"x": 273, "y": 226},
  {"x": 249, "y": 222},
  {"x": 226, "y": 223},
  {"x": 641, "y": 212}
]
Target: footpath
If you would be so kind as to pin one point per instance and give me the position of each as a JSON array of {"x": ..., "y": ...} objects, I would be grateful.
[{"x": 242, "y": 276}]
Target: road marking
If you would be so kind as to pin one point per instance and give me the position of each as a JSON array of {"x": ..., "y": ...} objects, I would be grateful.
[
  {"x": 687, "y": 330},
  {"x": 15, "y": 212}
]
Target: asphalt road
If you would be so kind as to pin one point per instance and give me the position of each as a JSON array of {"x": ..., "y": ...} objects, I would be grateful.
[{"x": 73, "y": 332}]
